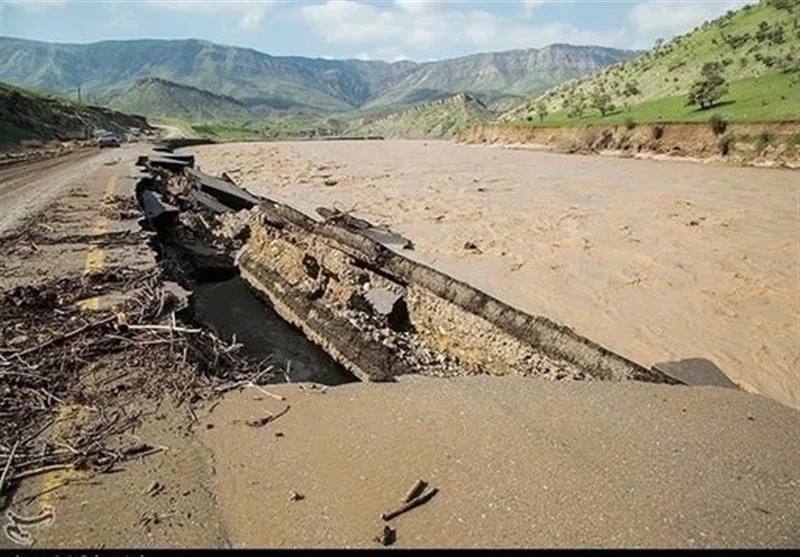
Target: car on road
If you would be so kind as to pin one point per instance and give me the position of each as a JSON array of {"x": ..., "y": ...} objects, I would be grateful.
[{"x": 108, "y": 140}]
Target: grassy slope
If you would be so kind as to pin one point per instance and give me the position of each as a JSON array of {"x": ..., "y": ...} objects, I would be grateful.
[
  {"x": 757, "y": 91},
  {"x": 28, "y": 115},
  {"x": 774, "y": 97},
  {"x": 442, "y": 119},
  {"x": 165, "y": 99}
]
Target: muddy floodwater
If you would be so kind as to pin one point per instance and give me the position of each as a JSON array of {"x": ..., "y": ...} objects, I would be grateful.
[{"x": 657, "y": 260}]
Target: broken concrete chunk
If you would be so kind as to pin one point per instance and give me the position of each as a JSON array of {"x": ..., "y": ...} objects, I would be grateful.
[
  {"x": 383, "y": 304},
  {"x": 696, "y": 372},
  {"x": 223, "y": 191},
  {"x": 158, "y": 211},
  {"x": 382, "y": 300}
]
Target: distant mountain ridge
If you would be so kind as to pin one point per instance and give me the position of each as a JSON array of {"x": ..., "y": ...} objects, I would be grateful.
[
  {"x": 161, "y": 98},
  {"x": 266, "y": 83}
]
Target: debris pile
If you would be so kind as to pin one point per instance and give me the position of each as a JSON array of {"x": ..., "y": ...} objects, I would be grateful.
[{"x": 54, "y": 354}]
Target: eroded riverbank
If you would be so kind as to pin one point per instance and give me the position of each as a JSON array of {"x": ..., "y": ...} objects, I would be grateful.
[{"x": 659, "y": 261}]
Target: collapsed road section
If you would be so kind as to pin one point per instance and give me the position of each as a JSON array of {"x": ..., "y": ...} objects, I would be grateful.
[{"x": 376, "y": 312}]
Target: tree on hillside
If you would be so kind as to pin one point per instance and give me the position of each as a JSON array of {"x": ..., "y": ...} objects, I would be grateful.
[
  {"x": 541, "y": 110},
  {"x": 575, "y": 105},
  {"x": 783, "y": 4},
  {"x": 602, "y": 102},
  {"x": 631, "y": 90},
  {"x": 709, "y": 88}
]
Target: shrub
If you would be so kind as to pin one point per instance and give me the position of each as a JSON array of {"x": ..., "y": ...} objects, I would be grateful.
[
  {"x": 763, "y": 140},
  {"x": 657, "y": 130},
  {"x": 718, "y": 124},
  {"x": 630, "y": 123},
  {"x": 725, "y": 143}
]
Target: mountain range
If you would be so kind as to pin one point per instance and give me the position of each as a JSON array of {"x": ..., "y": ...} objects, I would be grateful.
[{"x": 246, "y": 81}]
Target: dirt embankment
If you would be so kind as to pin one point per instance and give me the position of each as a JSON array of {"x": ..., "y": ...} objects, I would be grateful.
[{"x": 767, "y": 144}]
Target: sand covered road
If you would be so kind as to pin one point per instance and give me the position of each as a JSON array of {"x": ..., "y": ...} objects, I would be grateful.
[
  {"x": 518, "y": 462},
  {"x": 656, "y": 260}
]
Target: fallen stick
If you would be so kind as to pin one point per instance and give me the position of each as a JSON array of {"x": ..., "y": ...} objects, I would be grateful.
[
  {"x": 8, "y": 465},
  {"x": 164, "y": 328},
  {"x": 421, "y": 500},
  {"x": 61, "y": 338},
  {"x": 230, "y": 386},
  {"x": 273, "y": 395},
  {"x": 260, "y": 422},
  {"x": 42, "y": 470},
  {"x": 41, "y": 430},
  {"x": 415, "y": 491}
]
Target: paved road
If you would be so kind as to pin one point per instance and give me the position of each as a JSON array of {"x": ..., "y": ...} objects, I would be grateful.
[{"x": 26, "y": 188}]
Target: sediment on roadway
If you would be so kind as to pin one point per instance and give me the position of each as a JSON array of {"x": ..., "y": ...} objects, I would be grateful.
[{"x": 376, "y": 312}]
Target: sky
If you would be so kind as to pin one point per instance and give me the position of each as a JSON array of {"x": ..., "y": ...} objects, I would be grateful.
[{"x": 389, "y": 30}]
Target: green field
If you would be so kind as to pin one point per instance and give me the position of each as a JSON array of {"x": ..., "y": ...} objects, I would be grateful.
[{"x": 774, "y": 97}]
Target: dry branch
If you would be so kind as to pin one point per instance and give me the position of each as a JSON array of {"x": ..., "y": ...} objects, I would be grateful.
[{"x": 421, "y": 500}]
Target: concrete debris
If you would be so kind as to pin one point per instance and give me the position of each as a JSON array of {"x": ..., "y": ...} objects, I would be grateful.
[
  {"x": 157, "y": 211},
  {"x": 390, "y": 306},
  {"x": 222, "y": 190}
]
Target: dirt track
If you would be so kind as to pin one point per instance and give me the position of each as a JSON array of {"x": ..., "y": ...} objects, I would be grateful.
[{"x": 658, "y": 260}]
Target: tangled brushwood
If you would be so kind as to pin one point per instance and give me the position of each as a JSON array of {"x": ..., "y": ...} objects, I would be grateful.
[{"x": 75, "y": 381}]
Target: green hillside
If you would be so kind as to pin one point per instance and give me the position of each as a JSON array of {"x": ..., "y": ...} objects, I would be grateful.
[
  {"x": 443, "y": 118},
  {"x": 756, "y": 49},
  {"x": 161, "y": 98},
  {"x": 28, "y": 115}
]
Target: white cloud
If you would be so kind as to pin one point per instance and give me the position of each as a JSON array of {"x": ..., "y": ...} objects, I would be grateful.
[
  {"x": 669, "y": 18},
  {"x": 350, "y": 21},
  {"x": 249, "y": 14},
  {"x": 384, "y": 29}
]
